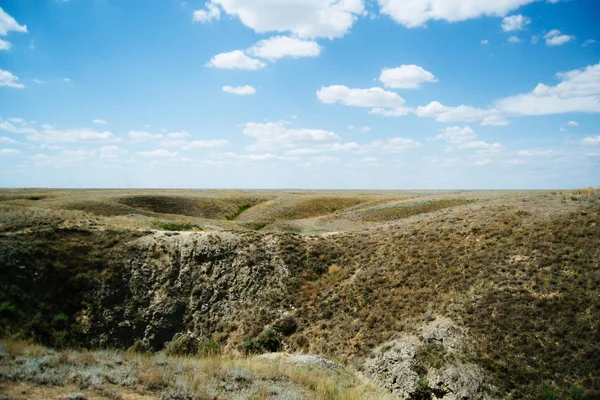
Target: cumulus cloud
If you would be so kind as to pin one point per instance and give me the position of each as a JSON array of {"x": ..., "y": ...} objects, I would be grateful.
[
  {"x": 273, "y": 136},
  {"x": 556, "y": 38},
  {"x": 285, "y": 46},
  {"x": 72, "y": 135},
  {"x": 8, "y": 127},
  {"x": 515, "y": 23},
  {"x": 464, "y": 138},
  {"x": 239, "y": 90},
  {"x": 178, "y": 135},
  {"x": 4, "y": 139},
  {"x": 405, "y": 77},
  {"x": 592, "y": 140},
  {"x": 256, "y": 157},
  {"x": 394, "y": 145},
  {"x": 514, "y": 39},
  {"x": 416, "y": 13},
  {"x": 379, "y": 100},
  {"x": 212, "y": 12},
  {"x": 4, "y": 45},
  {"x": 462, "y": 113},
  {"x": 303, "y": 18},
  {"x": 9, "y": 80},
  {"x": 578, "y": 91},
  {"x": 485, "y": 41},
  {"x": 8, "y": 24},
  {"x": 588, "y": 42},
  {"x": 195, "y": 144},
  {"x": 158, "y": 154},
  {"x": 9, "y": 152},
  {"x": 235, "y": 60},
  {"x": 573, "y": 123},
  {"x": 99, "y": 121},
  {"x": 140, "y": 136}
]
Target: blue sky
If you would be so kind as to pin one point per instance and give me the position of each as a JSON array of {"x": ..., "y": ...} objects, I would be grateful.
[{"x": 326, "y": 94}]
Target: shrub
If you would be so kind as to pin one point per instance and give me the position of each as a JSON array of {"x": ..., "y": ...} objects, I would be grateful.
[
  {"x": 267, "y": 341},
  {"x": 209, "y": 348},
  {"x": 181, "y": 345},
  {"x": 173, "y": 227}
]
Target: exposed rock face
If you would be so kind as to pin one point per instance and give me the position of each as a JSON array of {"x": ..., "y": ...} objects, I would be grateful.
[
  {"x": 192, "y": 282},
  {"x": 428, "y": 366}
]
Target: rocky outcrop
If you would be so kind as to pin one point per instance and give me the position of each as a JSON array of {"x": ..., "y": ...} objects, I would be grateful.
[
  {"x": 201, "y": 283},
  {"x": 428, "y": 366}
]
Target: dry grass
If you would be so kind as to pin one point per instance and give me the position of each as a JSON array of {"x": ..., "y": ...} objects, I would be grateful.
[{"x": 108, "y": 372}]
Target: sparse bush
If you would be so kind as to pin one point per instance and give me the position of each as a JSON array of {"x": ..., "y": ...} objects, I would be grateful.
[
  {"x": 182, "y": 227},
  {"x": 209, "y": 348},
  {"x": 181, "y": 345},
  {"x": 267, "y": 341}
]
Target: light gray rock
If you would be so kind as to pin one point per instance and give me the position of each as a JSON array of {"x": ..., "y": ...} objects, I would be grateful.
[{"x": 400, "y": 367}]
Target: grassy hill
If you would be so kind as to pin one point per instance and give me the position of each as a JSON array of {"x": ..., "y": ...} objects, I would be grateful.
[{"x": 352, "y": 276}]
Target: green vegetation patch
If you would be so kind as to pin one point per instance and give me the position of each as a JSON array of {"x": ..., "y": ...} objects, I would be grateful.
[
  {"x": 179, "y": 227},
  {"x": 240, "y": 210}
]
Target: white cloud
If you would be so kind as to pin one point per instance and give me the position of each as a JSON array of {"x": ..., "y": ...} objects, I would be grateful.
[
  {"x": 204, "y": 16},
  {"x": 178, "y": 135},
  {"x": 515, "y": 23},
  {"x": 8, "y": 127},
  {"x": 140, "y": 136},
  {"x": 366, "y": 129},
  {"x": 111, "y": 152},
  {"x": 326, "y": 147},
  {"x": 99, "y": 121},
  {"x": 239, "y": 90},
  {"x": 464, "y": 139},
  {"x": 285, "y": 46},
  {"x": 4, "y": 139},
  {"x": 17, "y": 120},
  {"x": 159, "y": 153},
  {"x": 462, "y": 113},
  {"x": 66, "y": 79},
  {"x": 8, "y": 24},
  {"x": 72, "y": 135},
  {"x": 4, "y": 45},
  {"x": 556, "y": 38},
  {"x": 416, "y": 13},
  {"x": 273, "y": 136},
  {"x": 257, "y": 157},
  {"x": 573, "y": 123},
  {"x": 195, "y": 144},
  {"x": 514, "y": 39},
  {"x": 8, "y": 79},
  {"x": 9, "y": 152},
  {"x": 456, "y": 134},
  {"x": 485, "y": 41},
  {"x": 381, "y": 101},
  {"x": 38, "y": 81},
  {"x": 593, "y": 140},
  {"x": 578, "y": 91},
  {"x": 303, "y": 18},
  {"x": 483, "y": 162},
  {"x": 394, "y": 145},
  {"x": 405, "y": 77},
  {"x": 235, "y": 60},
  {"x": 588, "y": 42}
]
